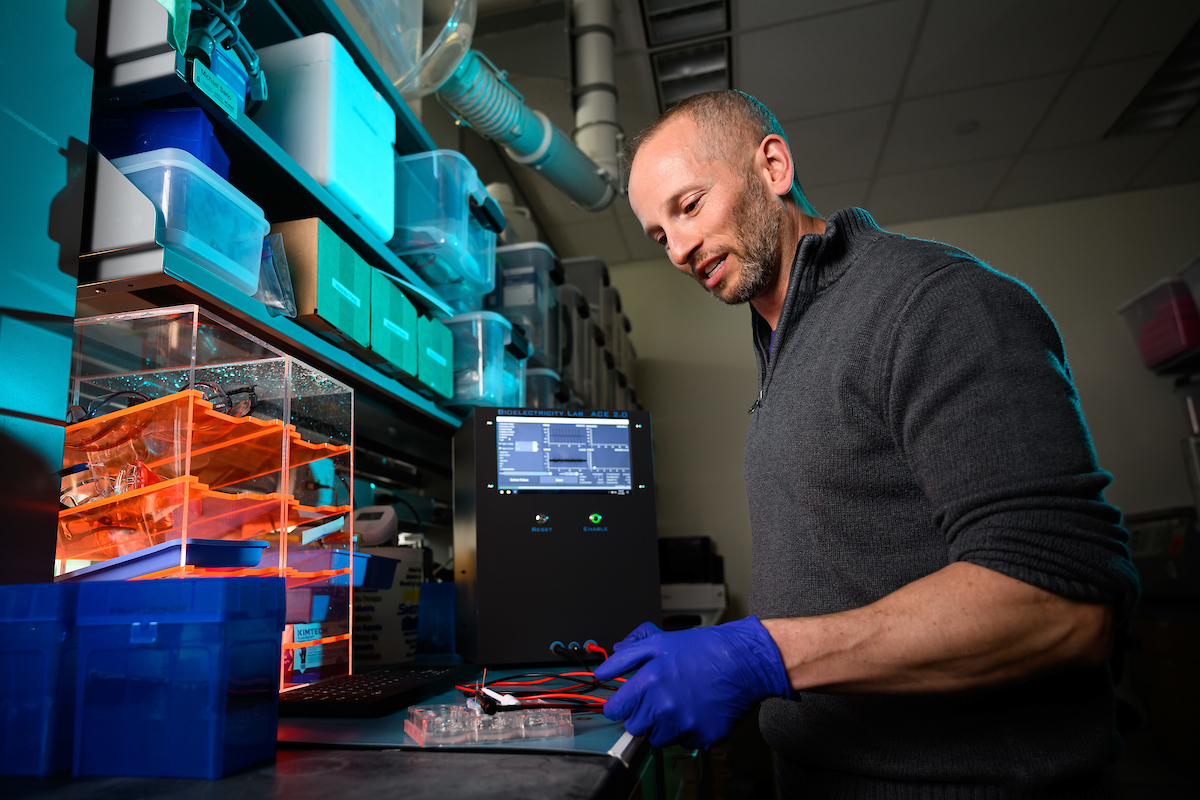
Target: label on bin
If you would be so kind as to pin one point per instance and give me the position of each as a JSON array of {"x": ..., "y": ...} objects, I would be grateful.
[
  {"x": 437, "y": 357},
  {"x": 215, "y": 88},
  {"x": 346, "y": 293},
  {"x": 396, "y": 329}
]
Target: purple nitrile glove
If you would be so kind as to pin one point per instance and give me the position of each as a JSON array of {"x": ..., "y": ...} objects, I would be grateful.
[{"x": 695, "y": 685}]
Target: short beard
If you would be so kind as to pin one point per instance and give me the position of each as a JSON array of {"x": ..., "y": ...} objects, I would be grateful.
[{"x": 757, "y": 224}]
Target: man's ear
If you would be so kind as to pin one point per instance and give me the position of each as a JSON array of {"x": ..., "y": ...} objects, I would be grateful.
[{"x": 773, "y": 161}]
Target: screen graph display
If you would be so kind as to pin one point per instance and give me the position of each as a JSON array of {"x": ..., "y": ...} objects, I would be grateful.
[{"x": 562, "y": 454}]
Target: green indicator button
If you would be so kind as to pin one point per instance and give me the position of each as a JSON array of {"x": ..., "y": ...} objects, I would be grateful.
[{"x": 595, "y": 518}]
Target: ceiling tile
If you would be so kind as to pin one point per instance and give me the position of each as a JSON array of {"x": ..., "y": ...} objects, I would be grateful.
[
  {"x": 1144, "y": 27},
  {"x": 925, "y": 132},
  {"x": 1084, "y": 171},
  {"x": 934, "y": 193},
  {"x": 763, "y": 13},
  {"x": 836, "y": 196},
  {"x": 838, "y": 147},
  {"x": 600, "y": 237},
  {"x": 831, "y": 63},
  {"x": 1177, "y": 162},
  {"x": 1091, "y": 102},
  {"x": 968, "y": 44}
]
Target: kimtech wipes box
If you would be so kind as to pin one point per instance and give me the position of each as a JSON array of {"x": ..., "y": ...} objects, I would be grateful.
[{"x": 385, "y": 618}]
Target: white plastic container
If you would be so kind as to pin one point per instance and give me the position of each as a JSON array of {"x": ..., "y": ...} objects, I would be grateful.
[
  {"x": 324, "y": 112},
  {"x": 487, "y": 372},
  {"x": 526, "y": 294},
  {"x": 199, "y": 213},
  {"x": 440, "y": 226}
]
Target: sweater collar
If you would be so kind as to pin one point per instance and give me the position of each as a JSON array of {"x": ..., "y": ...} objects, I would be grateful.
[{"x": 820, "y": 260}]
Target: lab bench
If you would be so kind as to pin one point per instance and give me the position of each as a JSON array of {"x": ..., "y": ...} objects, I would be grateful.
[{"x": 302, "y": 773}]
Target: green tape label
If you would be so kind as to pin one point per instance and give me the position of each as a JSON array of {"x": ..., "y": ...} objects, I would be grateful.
[
  {"x": 215, "y": 88},
  {"x": 396, "y": 329},
  {"x": 437, "y": 357},
  {"x": 346, "y": 293}
]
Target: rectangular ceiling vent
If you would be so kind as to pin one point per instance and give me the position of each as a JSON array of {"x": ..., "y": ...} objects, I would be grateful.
[
  {"x": 685, "y": 71},
  {"x": 1170, "y": 96},
  {"x": 670, "y": 21}
]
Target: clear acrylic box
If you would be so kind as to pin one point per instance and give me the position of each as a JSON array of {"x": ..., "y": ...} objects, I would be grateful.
[{"x": 188, "y": 428}]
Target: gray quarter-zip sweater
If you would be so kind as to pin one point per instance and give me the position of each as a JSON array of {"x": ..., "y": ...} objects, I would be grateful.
[{"x": 916, "y": 410}]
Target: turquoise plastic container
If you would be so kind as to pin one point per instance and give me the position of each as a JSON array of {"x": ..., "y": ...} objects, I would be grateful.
[
  {"x": 37, "y": 677},
  {"x": 177, "y": 678}
]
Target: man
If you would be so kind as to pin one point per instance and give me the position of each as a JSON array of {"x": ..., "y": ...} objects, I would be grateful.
[{"x": 936, "y": 575}]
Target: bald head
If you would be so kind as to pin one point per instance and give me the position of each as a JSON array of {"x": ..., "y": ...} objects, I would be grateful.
[{"x": 731, "y": 124}]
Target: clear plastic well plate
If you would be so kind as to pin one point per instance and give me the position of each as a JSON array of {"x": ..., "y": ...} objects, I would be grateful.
[{"x": 434, "y": 726}]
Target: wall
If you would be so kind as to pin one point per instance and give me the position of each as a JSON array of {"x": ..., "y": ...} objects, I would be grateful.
[{"x": 1083, "y": 258}]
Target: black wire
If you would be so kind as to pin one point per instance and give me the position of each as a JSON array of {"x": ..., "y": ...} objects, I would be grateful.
[{"x": 416, "y": 516}]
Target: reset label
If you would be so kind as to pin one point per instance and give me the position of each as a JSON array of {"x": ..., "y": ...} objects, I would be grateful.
[
  {"x": 346, "y": 293},
  {"x": 429, "y": 351},
  {"x": 396, "y": 329},
  {"x": 215, "y": 88}
]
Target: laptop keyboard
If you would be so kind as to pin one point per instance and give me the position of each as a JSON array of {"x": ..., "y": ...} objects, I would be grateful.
[{"x": 373, "y": 694}]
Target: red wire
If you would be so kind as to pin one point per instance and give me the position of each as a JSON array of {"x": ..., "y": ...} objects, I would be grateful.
[
  {"x": 592, "y": 700},
  {"x": 595, "y": 648}
]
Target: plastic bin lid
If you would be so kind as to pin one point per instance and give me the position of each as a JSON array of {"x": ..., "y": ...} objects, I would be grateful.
[
  {"x": 542, "y": 372},
  {"x": 182, "y": 159},
  {"x": 482, "y": 316},
  {"x": 179, "y": 600},
  {"x": 38, "y": 602}
]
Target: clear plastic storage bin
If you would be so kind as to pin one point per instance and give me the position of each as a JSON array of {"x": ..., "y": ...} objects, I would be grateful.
[
  {"x": 444, "y": 225},
  {"x": 199, "y": 213},
  {"x": 37, "y": 677},
  {"x": 177, "y": 678},
  {"x": 543, "y": 388},
  {"x": 1164, "y": 321},
  {"x": 527, "y": 276},
  {"x": 590, "y": 274},
  {"x": 489, "y": 366}
]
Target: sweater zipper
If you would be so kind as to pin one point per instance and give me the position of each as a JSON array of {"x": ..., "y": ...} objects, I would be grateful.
[{"x": 757, "y": 402}]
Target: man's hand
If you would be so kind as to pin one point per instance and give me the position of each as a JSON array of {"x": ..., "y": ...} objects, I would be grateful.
[{"x": 695, "y": 685}]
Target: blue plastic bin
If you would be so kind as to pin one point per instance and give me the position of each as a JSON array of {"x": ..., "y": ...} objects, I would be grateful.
[
  {"x": 129, "y": 131},
  {"x": 177, "y": 678},
  {"x": 37, "y": 677},
  {"x": 435, "y": 619}
]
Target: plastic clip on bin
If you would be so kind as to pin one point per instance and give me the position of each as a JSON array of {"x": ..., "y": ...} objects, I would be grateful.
[
  {"x": 200, "y": 214},
  {"x": 177, "y": 678},
  {"x": 446, "y": 226},
  {"x": 37, "y": 677},
  {"x": 527, "y": 277},
  {"x": 544, "y": 389},
  {"x": 577, "y": 348},
  {"x": 1164, "y": 321},
  {"x": 489, "y": 360}
]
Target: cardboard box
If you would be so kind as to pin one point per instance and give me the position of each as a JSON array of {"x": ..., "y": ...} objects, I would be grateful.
[
  {"x": 332, "y": 283},
  {"x": 435, "y": 356},
  {"x": 393, "y": 328}
]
